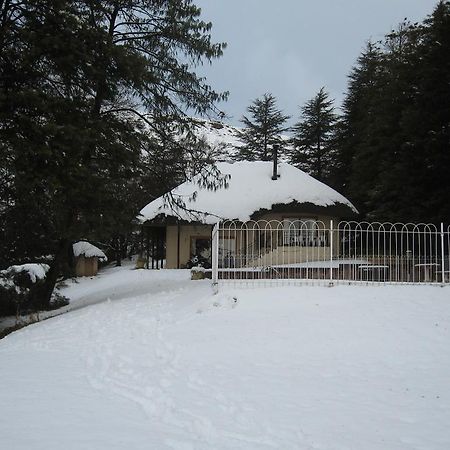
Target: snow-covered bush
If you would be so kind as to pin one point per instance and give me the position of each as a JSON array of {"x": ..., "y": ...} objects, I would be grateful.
[
  {"x": 10, "y": 296},
  {"x": 27, "y": 273},
  {"x": 19, "y": 288}
]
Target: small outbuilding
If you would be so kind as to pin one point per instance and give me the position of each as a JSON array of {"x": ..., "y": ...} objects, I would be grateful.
[
  {"x": 256, "y": 190},
  {"x": 87, "y": 257}
]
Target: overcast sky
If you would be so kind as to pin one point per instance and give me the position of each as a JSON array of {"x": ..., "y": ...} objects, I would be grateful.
[{"x": 293, "y": 47}]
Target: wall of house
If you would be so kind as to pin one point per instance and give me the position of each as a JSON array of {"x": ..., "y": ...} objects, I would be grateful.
[
  {"x": 243, "y": 237},
  {"x": 289, "y": 255},
  {"x": 283, "y": 255},
  {"x": 292, "y": 215},
  {"x": 324, "y": 223},
  {"x": 185, "y": 233}
]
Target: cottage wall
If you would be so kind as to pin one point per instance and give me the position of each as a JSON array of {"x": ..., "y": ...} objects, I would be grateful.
[
  {"x": 326, "y": 221},
  {"x": 293, "y": 215},
  {"x": 185, "y": 234},
  {"x": 241, "y": 237},
  {"x": 179, "y": 240}
]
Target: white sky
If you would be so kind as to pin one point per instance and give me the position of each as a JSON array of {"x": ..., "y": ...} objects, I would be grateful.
[{"x": 293, "y": 47}]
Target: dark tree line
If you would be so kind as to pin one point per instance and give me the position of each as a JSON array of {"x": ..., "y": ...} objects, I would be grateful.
[
  {"x": 394, "y": 143},
  {"x": 388, "y": 149}
]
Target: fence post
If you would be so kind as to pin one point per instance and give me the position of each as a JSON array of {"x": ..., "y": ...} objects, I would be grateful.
[
  {"x": 442, "y": 253},
  {"x": 331, "y": 251},
  {"x": 215, "y": 256}
]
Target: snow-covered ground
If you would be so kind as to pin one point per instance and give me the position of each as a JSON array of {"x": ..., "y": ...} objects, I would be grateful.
[{"x": 162, "y": 363}]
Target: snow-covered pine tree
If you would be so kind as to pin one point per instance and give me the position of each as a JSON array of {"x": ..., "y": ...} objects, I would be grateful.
[
  {"x": 262, "y": 130},
  {"x": 312, "y": 142}
]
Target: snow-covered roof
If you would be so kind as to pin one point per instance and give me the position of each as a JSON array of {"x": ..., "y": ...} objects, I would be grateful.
[
  {"x": 250, "y": 188},
  {"x": 88, "y": 250}
]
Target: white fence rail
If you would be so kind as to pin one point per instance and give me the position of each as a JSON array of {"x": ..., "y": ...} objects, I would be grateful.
[{"x": 314, "y": 251}]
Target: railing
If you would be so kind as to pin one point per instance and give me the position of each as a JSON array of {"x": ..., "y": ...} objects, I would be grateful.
[{"x": 314, "y": 251}]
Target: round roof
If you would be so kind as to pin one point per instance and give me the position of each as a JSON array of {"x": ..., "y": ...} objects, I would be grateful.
[{"x": 250, "y": 188}]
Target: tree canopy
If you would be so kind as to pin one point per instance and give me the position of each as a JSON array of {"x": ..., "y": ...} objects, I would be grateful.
[
  {"x": 86, "y": 88},
  {"x": 394, "y": 138},
  {"x": 312, "y": 142},
  {"x": 262, "y": 130}
]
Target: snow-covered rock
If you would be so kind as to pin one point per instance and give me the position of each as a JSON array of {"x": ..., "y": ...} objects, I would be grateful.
[
  {"x": 88, "y": 250},
  {"x": 250, "y": 188}
]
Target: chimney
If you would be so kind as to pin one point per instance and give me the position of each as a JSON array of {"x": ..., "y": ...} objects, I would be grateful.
[{"x": 275, "y": 149}]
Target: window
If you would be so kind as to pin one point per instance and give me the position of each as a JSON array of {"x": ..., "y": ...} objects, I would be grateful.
[{"x": 303, "y": 233}]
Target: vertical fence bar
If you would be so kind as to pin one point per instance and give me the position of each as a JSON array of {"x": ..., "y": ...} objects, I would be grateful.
[
  {"x": 331, "y": 251},
  {"x": 447, "y": 246},
  {"x": 442, "y": 253},
  {"x": 215, "y": 255}
]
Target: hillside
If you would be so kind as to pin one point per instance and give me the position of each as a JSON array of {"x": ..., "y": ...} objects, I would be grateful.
[
  {"x": 225, "y": 138},
  {"x": 221, "y": 136}
]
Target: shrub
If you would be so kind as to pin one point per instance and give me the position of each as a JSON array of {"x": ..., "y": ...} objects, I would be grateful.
[{"x": 19, "y": 288}]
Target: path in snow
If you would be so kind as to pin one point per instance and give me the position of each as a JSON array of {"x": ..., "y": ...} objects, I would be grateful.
[{"x": 112, "y": 283}]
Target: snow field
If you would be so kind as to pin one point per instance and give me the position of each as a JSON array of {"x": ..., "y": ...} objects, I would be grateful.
[{"x": 165, "y": 364}]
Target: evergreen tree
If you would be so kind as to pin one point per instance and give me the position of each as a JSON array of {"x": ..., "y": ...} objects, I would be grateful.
[
  {"x": 262, "y": 130},
  {"x": 424, "y": 162},
  {"x": 391, "y": 186},
  {"x": 82, "y": 85},
  {"x": 312, "y": 143},
  {"x": 393, "y": 138},
  {"x": 356, "y": 163}
]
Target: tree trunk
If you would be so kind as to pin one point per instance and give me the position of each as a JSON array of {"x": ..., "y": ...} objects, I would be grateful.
[
  {"x": 103, "y": 64},
  {"x": 118, "y": 251},
  {"x": 60, "y": 261}
]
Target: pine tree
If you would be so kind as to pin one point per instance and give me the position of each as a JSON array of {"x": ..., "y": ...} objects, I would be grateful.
[
  {"x": 312, "y": 143},
  {"x": 392, "y": 186},
  {"x": 425, "y": 124},
  {"x": 262, "y": 130},
  {"x": 356, "y": 164},
  {"x": 82, "y": 85},
  {"x": 393, "y": 137}
]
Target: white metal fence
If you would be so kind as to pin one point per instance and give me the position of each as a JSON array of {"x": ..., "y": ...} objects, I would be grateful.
[{"x": 312, "y": 251}]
